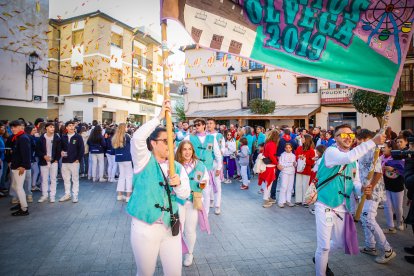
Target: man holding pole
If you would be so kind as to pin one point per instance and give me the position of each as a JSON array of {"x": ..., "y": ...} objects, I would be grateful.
[
  {"x": 339, "y": 165},
  {"x": 372, "y": 231}
]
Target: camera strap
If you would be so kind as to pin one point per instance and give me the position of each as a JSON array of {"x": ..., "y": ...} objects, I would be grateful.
[{"x": 167, "y": 189}]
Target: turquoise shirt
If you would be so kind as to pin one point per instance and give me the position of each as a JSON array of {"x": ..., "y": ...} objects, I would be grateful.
[
  {"x": 261, "y": 138},
  {"x": 250, "y": 141},
  {"x": 148, "y": 192},
  {"x": 204, "y": 151}
]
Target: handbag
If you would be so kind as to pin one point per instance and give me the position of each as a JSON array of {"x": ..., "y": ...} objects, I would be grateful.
[
  {"x": 267, "y": 160},
  {"x": 311, "y": 194},
  {"x": 174, "y": 218},
  {"x": 197, "y": 202},
  {"x": 301, "y": 165}
]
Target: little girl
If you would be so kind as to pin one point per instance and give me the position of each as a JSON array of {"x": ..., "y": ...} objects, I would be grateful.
[
  {"x": 319, "y": 150},
  {"x": 287, "y": 164},
  {"x": 244, "y": 156}
]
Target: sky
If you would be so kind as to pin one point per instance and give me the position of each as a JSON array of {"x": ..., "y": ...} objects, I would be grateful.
[{"x": 134, "y": 13}]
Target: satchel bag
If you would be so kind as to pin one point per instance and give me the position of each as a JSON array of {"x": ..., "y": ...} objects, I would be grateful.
[
  {"x": 197, "y": 201},
  {"x": 311, "y": 194}
]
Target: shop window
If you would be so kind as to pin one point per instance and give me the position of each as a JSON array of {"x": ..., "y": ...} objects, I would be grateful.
[
  {"x": 307, "y": 85},
  {"x": 215, "y": 91}
]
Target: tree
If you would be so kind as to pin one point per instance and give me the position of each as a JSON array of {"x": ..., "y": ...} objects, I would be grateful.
[
  {"x": 179, "y": 109},
  {"x": 259, "y": 106},
  {"x": 374, "y": 104}
]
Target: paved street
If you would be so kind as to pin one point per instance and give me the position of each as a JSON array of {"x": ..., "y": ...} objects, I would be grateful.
[{"x": 92, "y": 238}]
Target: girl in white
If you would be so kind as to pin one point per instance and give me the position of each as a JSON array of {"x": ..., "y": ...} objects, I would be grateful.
[
  {"x": 189, "y": 213},
  {"x": 287, "y": 164},
  {"x": 229, "y": 160}
]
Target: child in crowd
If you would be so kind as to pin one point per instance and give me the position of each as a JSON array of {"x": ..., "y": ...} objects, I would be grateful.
[
  {"x": 287, "y": 164},
  {"x": 244, "y": 156},
  {"x": 229, "y": 161}
]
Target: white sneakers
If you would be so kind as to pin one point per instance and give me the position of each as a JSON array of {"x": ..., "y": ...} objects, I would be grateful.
[
  {"x": 386, "y": 257},
  {"x": 188, "y": 259},
  {"x": 42, "y": 199},
  {"x": 52, "y": 200},
  {"x": 217, "y": 211},
  {"x": 64, "y": 198},
  {"x": 119, "y": 197},
  {"x": 102, "y": 180},
  {"x": 75, "y": 199},
  {"x": 211, "y": 203},
  {"x": 127, "y": 199}
]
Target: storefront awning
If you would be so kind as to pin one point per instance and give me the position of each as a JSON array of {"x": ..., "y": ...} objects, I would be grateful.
[{"x": 286, "y": 112}]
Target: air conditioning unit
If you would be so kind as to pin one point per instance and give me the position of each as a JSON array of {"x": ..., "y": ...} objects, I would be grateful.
[{"x": 59, "y": 99}]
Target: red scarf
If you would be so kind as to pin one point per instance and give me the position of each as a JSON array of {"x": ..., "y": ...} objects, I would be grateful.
[{"x": 14, "y": 138}]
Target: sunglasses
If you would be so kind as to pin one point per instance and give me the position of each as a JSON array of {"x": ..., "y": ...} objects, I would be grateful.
[
  {"x": 346, "y": 135},
  {"x": 163, "y": 140},
  {"x": 197, "y": 125}
]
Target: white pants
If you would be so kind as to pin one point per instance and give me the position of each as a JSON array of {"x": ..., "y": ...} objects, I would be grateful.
[
  {"x": 125, "y": 177},
  {"x": 89, "y": 165},
  {"x": 206, "y": 197},
  {"x": 394, "y": 204},
  {"x": 329, "y": 229},
  {"x": 302, "y": 183},
  {"x": 98, "y": 165},
  {"x": 189, "y": 220},
  {"x": 266, "y": 190},
  {"x": 244, "y": 175},
  {"x": 28, "y": 183},
  {"x": 35, "y": 172},
  {"x": 46, "y": 172},
  {"x": 149, "y": 241},
  {"x": 17, "y": 185},
  {"x": 71, "y": 170},
  {"x": 111, "y": 166},
  {"x": 216, "y": 195},
  {"x": 286, "y": 186},
  {"x": 372, "y": 231}
]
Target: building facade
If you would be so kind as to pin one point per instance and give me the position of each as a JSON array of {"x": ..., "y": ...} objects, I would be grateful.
[
  {"x": 215, "y": 91},
  {"x": 102, "y": 69}
]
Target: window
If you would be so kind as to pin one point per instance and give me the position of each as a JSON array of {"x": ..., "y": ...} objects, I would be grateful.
[
  {"x": 215, "y": 91},
  {"x": 136, "y": 84},
  {"x": 77, "y": 37},
  {"x": 255, "y": 66},
  {"x": 116, "y": 40},
  {"x": 254, "y": 88},
  {"x": 336, "y": 119},
  {"x": 307, "y": 85},
  {"x": 77, "y": 73},
  {"x": 336, "y": 86},
  {"x": 116, "y": 76},
  {"x": 107, "y": 117},
  {"x": 78, "y": 115},
  {"x": 406, "y": 83},
  {"x": 220, "y": 55}
]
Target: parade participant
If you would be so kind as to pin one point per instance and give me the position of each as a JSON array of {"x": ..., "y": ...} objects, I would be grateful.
[
  {"x": 393, "y": 171},
  {"x": 208, "y": 151},
  {"x": 191, "y": 207},
  {"x": 305, "y": 152},
  {"x": 372, "y": 231},
  {"x": 20, "y": 163},
  {"x": 267, "y": 177},
  {"x": 122, "y": 146},
  {"x": 286, "y": 165},
  {"x": 96, "y": 143},
  {"x": 49, "y": 151},
  {"x": 110, "y": 155},
  {"x": 150, "y": 205},
  {"x": 244, "y": 156},
  {"x": 333, "y": 200},
  {"x": 182, "y": 131},
  {"x": 215, "y": 193},
  {"x": 72, "y": 154},
  {"x": 229, "y": 157}
]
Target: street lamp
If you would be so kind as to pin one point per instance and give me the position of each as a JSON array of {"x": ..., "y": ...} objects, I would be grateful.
[
  {"x": 232, "y": 80},
  {"x": 33, "y": 59}
]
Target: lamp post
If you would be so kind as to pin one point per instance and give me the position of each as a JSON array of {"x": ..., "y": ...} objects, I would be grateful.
[
  {"x": 232, "y": 80},
  {"x": 33, "y": 59}
]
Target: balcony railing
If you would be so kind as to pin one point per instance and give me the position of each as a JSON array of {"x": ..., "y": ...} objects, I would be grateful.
[
  {"x": 336, "y": 96},
  {"x": 142, "y": 62},
  {"x": 143, "y": 94},
  {"x": 408, "y": 97}
]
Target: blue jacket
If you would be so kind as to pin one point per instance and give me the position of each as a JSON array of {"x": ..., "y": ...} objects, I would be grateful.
[
  {"x": 97, "y": 148},
  {"x": 109, "y": 149},
  {"x": 74, "y": 148},
  {"x": 2, "y": 146},
  {"x": 21, "y": 152},
  {"x": 33, "y": 141},
  {"x": 282, "y": 144},
  {"x": 41, "y": 149},
  {"x": 124, "y": 154}
]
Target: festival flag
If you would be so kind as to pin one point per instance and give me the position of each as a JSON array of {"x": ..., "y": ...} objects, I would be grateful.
[{"x": 359, "y": 43}]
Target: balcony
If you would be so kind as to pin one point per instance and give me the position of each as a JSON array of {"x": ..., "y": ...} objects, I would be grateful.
[
  {"x": 143, "y": 94},
  {"x": 408, "y": 97},
  {"x": 336, "y": 96},
  {"x": 142, "y": 62},
  {"x": 253, "y": 66}
]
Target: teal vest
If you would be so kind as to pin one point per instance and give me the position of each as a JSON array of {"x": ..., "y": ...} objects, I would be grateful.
[
  {"x": 333, "y": 193},
  {"x": 219, "y": 138},
  {"x": 148, "y": 192},
  {"x": 205, "y": 151},
  {"x": 195, "y": 177}
]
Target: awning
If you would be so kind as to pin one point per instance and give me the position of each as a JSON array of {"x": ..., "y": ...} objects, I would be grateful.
[{"x": 281, "y": 112}]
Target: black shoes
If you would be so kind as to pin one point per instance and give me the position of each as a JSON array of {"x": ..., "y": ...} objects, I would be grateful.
[
  {"x": 15, "y": 207},
  {"x": 329, "y": 272},
  {"x": 20, "y": 213},
  {"x": 409, "y": 250}
]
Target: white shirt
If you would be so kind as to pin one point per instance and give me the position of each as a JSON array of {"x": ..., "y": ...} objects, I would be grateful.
[
  {"x": 49, "y": 144},
  {"x": 231, "y": 147},
  {"x": 141, "y": 156},
  {"x": 287, "y": 161}
]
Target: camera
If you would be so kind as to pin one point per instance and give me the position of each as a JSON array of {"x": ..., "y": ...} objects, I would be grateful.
[{"x": 404, "y": 154}]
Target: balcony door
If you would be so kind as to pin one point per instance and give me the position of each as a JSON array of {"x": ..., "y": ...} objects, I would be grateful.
[{"x": 254, "y": 89}]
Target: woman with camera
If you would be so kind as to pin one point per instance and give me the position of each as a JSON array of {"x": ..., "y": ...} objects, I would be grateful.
[
  {"x": 153, "y": 204},
  {"x": 193, "y": 205}
]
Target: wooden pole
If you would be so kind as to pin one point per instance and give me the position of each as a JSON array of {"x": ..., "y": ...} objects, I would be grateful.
[
  {"x": 166, "y": 74},
  {"x": 376, "y": 156}
]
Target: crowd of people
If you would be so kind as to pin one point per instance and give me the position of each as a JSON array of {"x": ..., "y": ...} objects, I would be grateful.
[{"x": 286, "y": 160}]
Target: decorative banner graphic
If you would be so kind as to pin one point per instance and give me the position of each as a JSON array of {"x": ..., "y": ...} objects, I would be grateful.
[{"x": 359, "y": 43}]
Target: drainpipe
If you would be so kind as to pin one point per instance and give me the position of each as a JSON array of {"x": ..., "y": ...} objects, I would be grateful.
[{"x": 58, "y": 78}]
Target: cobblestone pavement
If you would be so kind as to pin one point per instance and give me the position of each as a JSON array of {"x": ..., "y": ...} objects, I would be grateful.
[{"x": 92, "y": 238}]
